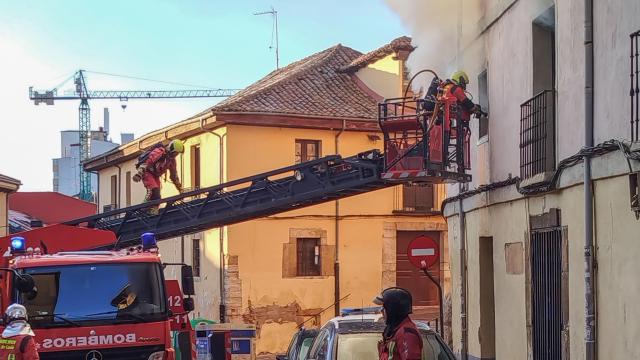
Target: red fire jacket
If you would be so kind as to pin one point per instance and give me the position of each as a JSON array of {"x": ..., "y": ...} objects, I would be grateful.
[
  {"x": 21, "y": 347},
  {"x": 157, "y": 164},
  {"x": 463, "y": 101},
  {"x": 405, "y": 344}
]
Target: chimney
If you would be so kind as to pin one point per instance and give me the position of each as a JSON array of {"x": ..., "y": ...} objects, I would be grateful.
[{"x": 106, "y": 123}]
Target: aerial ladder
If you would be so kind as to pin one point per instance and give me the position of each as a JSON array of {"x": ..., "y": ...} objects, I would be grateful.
[{"x": 425, "y": 141}]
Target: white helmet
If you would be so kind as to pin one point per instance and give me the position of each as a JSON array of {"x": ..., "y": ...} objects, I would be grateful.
[{"x": 15, "y": 312}]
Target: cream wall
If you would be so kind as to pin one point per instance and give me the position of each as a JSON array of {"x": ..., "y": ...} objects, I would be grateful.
[
  {"x": 505, "y": 49},
  {"x": 383, "y": 77},
  {"x": 616, "y": 252}
]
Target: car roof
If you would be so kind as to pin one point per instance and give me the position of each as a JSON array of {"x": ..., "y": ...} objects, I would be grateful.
[
  {"x": 366, "y": 323},
  {"x": 339, "y": 321}
]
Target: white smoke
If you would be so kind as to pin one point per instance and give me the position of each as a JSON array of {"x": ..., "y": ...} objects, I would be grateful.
[{"x": 442, "y": 31}]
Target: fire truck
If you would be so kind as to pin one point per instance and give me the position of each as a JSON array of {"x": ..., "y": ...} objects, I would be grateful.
[
  {"x": 87, "y": 300},
  {"x": 95, "y": 289}
]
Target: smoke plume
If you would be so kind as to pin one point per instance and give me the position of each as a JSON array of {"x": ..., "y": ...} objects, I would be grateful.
[{"x": 443, "y": 32}]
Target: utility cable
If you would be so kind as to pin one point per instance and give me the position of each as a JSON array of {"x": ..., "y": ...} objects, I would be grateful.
[
  {"x": 152, "y": 80},
  {"x": 598, "y": 150}
]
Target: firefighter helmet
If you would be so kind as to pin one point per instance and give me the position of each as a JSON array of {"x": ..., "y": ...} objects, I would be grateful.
[
  {"x": 15, "y": 312},
  {"x": 396, "y": 300},
  {"x": 460, "y": 76},
  {"x": 175, "y": 146}
]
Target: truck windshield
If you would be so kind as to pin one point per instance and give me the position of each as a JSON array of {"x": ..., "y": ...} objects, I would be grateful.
[{"x": 75, "y": 295}]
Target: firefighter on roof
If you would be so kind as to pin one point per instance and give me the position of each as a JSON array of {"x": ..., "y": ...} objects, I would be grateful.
[
  {"x": 17, "y": 342},
  {"x": 155, "y": 162}
]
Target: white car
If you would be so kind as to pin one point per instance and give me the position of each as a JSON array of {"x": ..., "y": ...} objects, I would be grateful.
[{"x": 355, "y": 336}]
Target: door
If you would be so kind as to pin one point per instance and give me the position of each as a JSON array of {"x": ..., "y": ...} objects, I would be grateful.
[
  {"x": 546, "y": 280},
  {"x": 423, "y": 291}
]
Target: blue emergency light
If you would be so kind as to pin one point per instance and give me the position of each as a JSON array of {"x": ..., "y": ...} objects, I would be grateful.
[
  {"x": 18, "y": 244},
  {"x": 149, "y": 241},
  {"x": 361, "y": 311}
]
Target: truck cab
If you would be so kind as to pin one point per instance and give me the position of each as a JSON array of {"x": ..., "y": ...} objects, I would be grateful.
[{"x": 92, "y": 304}]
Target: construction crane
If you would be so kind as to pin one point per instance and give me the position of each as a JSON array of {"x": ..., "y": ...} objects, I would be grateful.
[{"x": 84, "y": 112}]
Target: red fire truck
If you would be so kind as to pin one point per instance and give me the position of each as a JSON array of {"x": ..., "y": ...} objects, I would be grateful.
[{"x": 86, "y": 303}]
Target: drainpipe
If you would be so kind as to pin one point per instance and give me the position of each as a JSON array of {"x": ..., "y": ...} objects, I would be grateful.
[
  {"x": 463, "y": 278},
  {"x": 223, "y": 307},
  {"x": 336, "y": 264},
  {"x": 589, "y": 251}
]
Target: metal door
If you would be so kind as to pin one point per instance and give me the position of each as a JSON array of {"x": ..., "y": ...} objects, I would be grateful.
[{"x": 546, "y": 281}]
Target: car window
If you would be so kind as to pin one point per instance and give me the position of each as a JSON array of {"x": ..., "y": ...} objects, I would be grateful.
[
  {"x": 304, "y": 348},
  {"x": 432, "y": 349},
  {"x": 320, "y": 348},
  {"x": 359, "y": 346},
  {"x": 291, "y": 352}
]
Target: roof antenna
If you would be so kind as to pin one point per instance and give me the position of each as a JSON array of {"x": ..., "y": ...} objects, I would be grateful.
[{"x": 274, "y": 30}]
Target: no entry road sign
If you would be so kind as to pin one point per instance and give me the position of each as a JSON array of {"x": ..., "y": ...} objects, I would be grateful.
[{"x": 423, "y": 248}]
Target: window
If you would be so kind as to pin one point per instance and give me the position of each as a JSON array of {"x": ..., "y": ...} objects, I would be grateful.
[
  {"x": 128, "y": 189},
  {"x": 307, "y": 150},
  {"x": 320, "y": 348},
  {"x": 537, "y": 115},
  {"x": 105, "y": 289},
  {"x": 195, "y": 254},
  {"x": 308, "y": 257},
  {"x": 195, "y": 166},
  {"x": 114, "y": 191},
  {"x": 415, "y": 198},
  {"x": 483, "y": 101}
]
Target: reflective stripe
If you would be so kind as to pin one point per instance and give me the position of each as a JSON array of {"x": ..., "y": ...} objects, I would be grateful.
[{"x": 392, "y": 348}]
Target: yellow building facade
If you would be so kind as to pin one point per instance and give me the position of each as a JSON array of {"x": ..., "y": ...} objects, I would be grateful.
[{"x": 295, "y": 268}]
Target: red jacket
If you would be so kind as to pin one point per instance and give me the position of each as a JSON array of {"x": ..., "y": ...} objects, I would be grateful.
[
  {"x": 405, "y": 344},
  {"x": 158, "y": 162},
  {"x": 21, "y": 347},
  {"x": 464, "y": 102}
]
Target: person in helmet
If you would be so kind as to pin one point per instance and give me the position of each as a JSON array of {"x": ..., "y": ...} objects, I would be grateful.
[
  {"x": 17, "y": 338},
  {"x": 156, "y": 162},
  {"x": 400, "y": 339},
  {"x": 456, "y": 86}
]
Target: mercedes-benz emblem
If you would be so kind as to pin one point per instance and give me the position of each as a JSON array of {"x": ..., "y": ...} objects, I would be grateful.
[{"x": 93, "y": 355}]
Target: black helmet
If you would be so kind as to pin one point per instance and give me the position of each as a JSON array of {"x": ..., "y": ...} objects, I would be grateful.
[{"x": 396, "y": 301}]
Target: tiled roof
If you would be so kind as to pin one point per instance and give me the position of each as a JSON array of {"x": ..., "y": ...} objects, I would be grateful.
[
  {"x": 313, "y": 86},
  {"x": 50, "y": 207},
  {"x": 399, "y": 44}
]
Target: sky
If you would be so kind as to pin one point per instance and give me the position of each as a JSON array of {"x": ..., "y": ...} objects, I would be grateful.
[{"x": 205, "y": 43}]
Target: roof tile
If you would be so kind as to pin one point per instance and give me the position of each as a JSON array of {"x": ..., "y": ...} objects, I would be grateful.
[{"x": 313, "y": 86}]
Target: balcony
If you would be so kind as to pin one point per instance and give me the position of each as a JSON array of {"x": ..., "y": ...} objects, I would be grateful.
[
  {"x": 634, "y": 91},
  {"x": 537, "y": 137}
]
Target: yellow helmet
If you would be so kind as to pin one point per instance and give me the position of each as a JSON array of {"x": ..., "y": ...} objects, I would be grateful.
[
  {"x": 460, "y": 76},
  {"x": 175, "y": 146}
]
